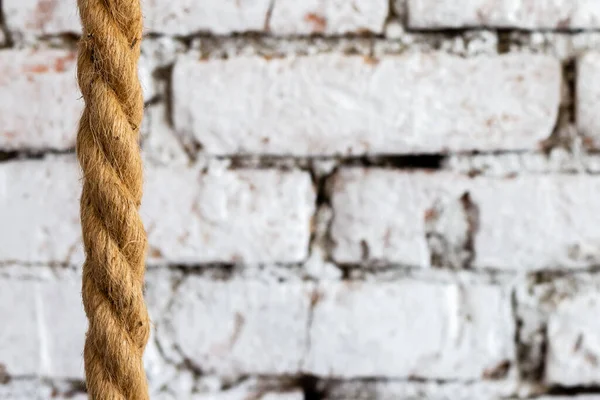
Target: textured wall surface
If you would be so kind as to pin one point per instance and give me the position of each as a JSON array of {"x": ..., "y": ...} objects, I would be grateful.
[{"x": 345, "y": 200}]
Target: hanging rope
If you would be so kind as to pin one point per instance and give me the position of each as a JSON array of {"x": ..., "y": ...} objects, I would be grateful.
[{"x": 113, "y": 234}]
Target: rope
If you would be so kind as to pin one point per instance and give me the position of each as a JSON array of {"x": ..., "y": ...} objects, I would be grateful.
[{"x": 113, "y": 234}]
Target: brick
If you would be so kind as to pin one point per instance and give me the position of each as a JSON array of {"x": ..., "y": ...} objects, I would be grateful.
[
  {"x": 47, "y": 117},
  {"x": 29, "y": 389},
  {"x": 331, "y": 17},
  {"x": 19, "y": 344},
  {"x": 183, "y": 17},
  {"x": 41, "y": 17},
  {"x": 564, "y": 310},
  {"x": 161, "y": 144},
  {"x": 591, "y": 397},
  {"x": 217, "y": 216},
  {"x": 251, "y": 392},
  {"x": 410, "y": 390},
  {"x": 411, "y": 103},
  {"x": 241, "y": 327},
  {"x": 241, "y": 216},
  {"x": 573, "y": 352},
  {"x": 39, "y": 201},
  {"x": 292, "y": 395},
  {"x": 526, "y": 222},
  {"x": 588, "y": 98},
  {"x": 43, "y": 328},
  {"x": 235, "y": 396},
  {"x": 410, "y": 329},
  {"x": 538, "y": 14},
  {"x": 63, "y": 324},
  {"x": 187, "y": 17}
]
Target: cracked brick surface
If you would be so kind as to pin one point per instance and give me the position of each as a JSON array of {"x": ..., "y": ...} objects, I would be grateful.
[{"x": 386, "y": 216}]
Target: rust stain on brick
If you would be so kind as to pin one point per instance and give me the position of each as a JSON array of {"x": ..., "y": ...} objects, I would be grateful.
[
  {"x": 318, "y": 22},
  {"x": 155, "y": 253},
  {"x": 61, "y": 64},
  {"x": 369, "y": 60},
  {"x": 499, "y": 371},
  {"x": 37, "y": 69},
  {"x": 588, "y": 142},
  {"x": 430, "y": 214},
  {"x": 363, "y": 31},
  {"x": 564, "y": 23},
  {"x": 44, "y": 12},
  {"x": 315, "y": 297},
  {"x": 4, "y": 376}
]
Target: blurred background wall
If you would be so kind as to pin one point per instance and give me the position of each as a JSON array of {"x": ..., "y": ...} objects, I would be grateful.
[{"x": 345, "y": 199}]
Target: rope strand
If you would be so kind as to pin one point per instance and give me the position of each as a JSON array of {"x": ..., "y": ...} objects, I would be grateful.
[{"x": 113, "y": 234}]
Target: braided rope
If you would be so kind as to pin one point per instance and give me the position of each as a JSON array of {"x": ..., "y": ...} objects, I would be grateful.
[{"x": 113, "y": 234}]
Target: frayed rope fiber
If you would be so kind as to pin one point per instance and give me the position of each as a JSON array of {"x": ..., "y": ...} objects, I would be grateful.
[{"x": 113, "y": 234}]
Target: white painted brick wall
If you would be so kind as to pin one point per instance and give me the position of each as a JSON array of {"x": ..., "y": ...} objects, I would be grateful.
[
  {"x": 250, "y": 394},
  {"x": 181, "y": 17},
  {"x": 536, "y": 14},
  {"x": 41, "y": 103},
  {"x": 191, "y": 216},
  {"x": 35, "y": 390},
  {"x": 221, "y": 17},
  {"x": 413, "y": 390},
  {"x": 43, "y": 328},
  {"x": 49, "y": 118},
  {"x": 591, "y": 397},
  {"x": 299, "y": 246},
  {"x": 249, "y": 216},
  {"x": 185, "y": 17},
  {"x": 411, "y": 103},
  {"x": 574, "y": 340},
  {"x": 39, "y": 202},
  {"x": 523, "y": 223},
  {"x": 563, "y": 311},
  {"x": 417, "y": 330},
  {"x": 19, "y": 344},
  {"x": 241, "y": 327},
  {"x": 331, "y": 17},
  {"x": 588, "y": 96},
  {"x": 256, "y": 327},
  {"x": 61, "y": 328},
  {"x": 41, "y": 17}
]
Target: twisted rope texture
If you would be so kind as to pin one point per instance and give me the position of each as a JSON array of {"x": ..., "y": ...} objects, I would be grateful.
[{"x": 113, "y": 234}]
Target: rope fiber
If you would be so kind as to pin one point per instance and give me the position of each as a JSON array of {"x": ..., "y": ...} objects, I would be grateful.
[{"x": 113, "y": 234}]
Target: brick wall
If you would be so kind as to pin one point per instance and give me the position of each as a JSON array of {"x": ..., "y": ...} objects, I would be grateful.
[{"x": 345, "y": 200}]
